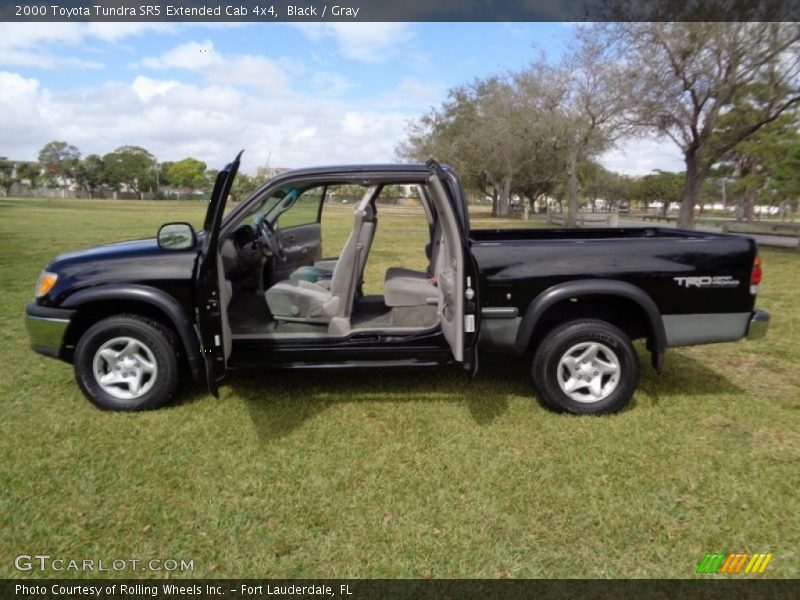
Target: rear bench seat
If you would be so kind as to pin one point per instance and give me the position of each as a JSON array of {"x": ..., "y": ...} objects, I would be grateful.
[{"x": 404, "y": 287}]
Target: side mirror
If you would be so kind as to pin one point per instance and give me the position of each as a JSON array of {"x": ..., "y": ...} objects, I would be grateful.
[{"x": 176, "y": 236}]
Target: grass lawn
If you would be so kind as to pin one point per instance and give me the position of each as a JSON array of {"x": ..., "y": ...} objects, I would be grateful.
[{"x": 394, "y": 475}]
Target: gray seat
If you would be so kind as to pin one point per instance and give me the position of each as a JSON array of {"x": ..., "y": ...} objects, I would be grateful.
[
  {"x": 409, "y": 290},
  {"x": 406, "y": 287},
  {"x": 320, "y": 302},
  {"x": 323, "y": 269}
]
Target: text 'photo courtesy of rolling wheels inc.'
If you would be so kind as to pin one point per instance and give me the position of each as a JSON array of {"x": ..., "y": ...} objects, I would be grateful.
[{"x": 372, "y": 300}]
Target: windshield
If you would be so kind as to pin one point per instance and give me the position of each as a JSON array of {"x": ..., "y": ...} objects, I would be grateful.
[{"x": 272, "y": 206}]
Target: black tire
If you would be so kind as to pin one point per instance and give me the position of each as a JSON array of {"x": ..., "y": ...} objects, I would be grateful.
[
  {"x": 156, "y": 343},
  {"x": 615, "y": 379}
]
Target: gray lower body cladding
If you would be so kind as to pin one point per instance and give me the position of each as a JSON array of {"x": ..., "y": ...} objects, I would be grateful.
[
  {"x": 681, "y": 330},
  {"x": 705, "y": 328}
]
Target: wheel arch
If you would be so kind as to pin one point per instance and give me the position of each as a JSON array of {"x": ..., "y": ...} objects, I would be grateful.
[
  {"x": 543, "y": 310},
  {"x": 96, "y": 303}
]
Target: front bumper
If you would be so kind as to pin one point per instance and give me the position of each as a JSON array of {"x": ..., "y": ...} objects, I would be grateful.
[
  {"x": 759, "y": 323},
  {"x": 46, "y": 328}
]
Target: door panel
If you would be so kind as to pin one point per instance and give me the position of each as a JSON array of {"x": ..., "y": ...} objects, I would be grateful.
[
  {"x": 451, "y": 271},
  {"x": 302, "y": 245},
  {"x": 211, "y": 293},
  {"x": 460, "y": 282}
]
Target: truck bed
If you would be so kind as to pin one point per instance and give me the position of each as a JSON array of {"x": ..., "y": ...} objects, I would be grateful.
[
  {"x": 489, "y": 235},
  {"x": 699, "y": 281}
]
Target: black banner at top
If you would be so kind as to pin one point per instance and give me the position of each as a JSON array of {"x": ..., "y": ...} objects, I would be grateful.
[{"x": 270, "y": 11}]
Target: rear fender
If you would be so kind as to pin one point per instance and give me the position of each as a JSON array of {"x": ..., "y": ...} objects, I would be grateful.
[{"x": 657, "y": 339}]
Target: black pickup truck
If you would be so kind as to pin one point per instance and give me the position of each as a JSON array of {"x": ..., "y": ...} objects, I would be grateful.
[{"x": 252, "y": 290}]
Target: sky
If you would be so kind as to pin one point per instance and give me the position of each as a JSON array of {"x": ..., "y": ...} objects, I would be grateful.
[{"x": 290, "y": 94}]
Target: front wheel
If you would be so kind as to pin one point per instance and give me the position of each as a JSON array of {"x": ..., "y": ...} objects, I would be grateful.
[
  {"x": 127, "y": 363},
  {"x": 586, "y": 367}
]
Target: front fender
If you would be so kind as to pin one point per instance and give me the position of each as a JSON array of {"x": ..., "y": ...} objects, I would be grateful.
[{"x": 156, "y": 298}]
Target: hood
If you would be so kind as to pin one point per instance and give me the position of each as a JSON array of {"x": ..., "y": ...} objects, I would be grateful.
[
  {"x": 122, "y": 250},
  {"x": 137, "y": 262}
]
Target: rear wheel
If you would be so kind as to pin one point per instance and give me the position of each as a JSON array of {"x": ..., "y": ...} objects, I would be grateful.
[
  {"x": 586, "y": 367},
  {"x": 127, "y": 363}
]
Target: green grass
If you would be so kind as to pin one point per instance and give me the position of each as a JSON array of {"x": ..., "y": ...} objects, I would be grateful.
[{"x": 394, "y": 475}]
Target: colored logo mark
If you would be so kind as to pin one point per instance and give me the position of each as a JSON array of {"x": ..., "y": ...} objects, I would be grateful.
[{"x": 734, "y": 563}]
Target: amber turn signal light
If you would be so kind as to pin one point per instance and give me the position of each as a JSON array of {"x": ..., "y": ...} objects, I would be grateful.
[{"x": 45, "y": 283}]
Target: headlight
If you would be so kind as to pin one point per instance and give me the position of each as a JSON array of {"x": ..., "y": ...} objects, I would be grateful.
[{"x": 45, "y": 283}]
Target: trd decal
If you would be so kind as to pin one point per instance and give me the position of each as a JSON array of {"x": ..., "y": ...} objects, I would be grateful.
[{"x": 707, "y": 281}]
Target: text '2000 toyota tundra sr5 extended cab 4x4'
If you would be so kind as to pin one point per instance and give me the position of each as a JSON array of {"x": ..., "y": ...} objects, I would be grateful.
[{"x": 252, "y": 290}]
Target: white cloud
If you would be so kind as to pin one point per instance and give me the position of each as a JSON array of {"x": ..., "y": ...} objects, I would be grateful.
[
  {"x": 42, "y": 45},
  {"x": 21, "y": 119},
  {"x": 636, "y": 156},
  {"x": 239, "y": 69},
  {"x": 305, "y": 135},
  {"x": 113, "y": 32},
  {"x": 147, "y": 88},
  {"x": 235, "y": 101},
  {"x": 364, "y": 42},
  {"x": 413, "y": 94},
  {"x": 191, "y": 55},
  {"x": 209, "y": 121},
  {"x": 330, "y": 83},
  {"x": 247, "y": 69}
]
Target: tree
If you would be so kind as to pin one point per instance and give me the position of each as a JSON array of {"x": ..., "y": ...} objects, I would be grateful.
[
  {"x": 684, "y": 76},
  {"x": 497, "y": 132},
  {"x": 242, "y": 186},
  {"x": 90, "y": 174},
  {"x": 211, "y": 177},
  {"x": 524, "y": 132},
  {"x": 787, "y": 177},
  {"x": 187, "y": 173},
  {"x": 30, "y": 173},
  {"x": 592, "y": 103},
  {"x": 131, "y": 166},
  {"x": 7, "y": 175},
  {"x": 163, "y": 174},
  {"x": 598, "y": 183},
  {"x": 470, "y": 132},
  {"x": 59, "y": 160},
  {"x": 662, "y": 187},
  {"x": 754, "y": 160}
]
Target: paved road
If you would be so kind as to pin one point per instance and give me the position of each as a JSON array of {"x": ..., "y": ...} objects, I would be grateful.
[{"x": 763, "y": 240}]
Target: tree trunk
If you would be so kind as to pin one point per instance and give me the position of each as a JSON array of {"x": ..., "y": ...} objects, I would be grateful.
[
  {"x": 504, "y": 200},
  {"x": 690, "y": 188},
  {"x": 572, "y": 189},
  {"x": 749, "y": 204},
  {"x": 664, "y": 207},
  {"x": 493, "y": 195}
]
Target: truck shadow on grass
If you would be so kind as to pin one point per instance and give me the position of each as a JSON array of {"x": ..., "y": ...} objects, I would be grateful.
[
  {"x": 682, "y": 375},
  {"x": 280, "y": 402}
]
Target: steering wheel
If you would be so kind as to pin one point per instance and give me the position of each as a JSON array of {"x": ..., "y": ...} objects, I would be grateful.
[{"x": 268, "y": 238}]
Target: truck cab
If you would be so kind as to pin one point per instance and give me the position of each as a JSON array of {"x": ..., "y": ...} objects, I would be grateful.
[{"x": 256, "y": 291}]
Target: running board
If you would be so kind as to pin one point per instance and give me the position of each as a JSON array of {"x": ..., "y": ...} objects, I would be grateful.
[{"x": 411, "y": 363}]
